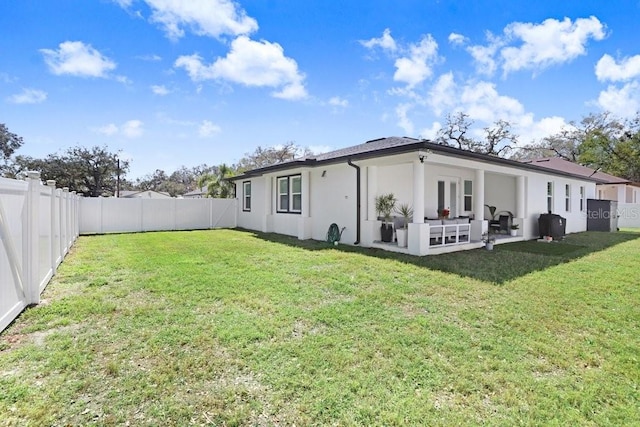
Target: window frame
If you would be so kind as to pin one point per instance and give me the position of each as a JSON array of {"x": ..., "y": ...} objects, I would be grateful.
[
  {"x": 289, "y": 193},
  {"x": 467, "y": 196},
  {"x": 583, "y": 197},
  {"x": 246, "y": 196},
  {"x": 567, "y": 197},
  {"x": 550, "y": 196}
]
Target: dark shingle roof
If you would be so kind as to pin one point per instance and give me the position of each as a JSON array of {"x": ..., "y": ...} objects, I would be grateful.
[
  {"x": 396, "y": 145},
  {"x": 562, "y": 165}
]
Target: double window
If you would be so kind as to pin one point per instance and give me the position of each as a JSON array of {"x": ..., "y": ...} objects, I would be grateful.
[
  {"x": 567, "y": 197},
  {"x": 582, "y": 199},
  {"x": 290, "y": 194},
  {"x": 246, "y": 196},
  {"x": 549, "y": 196}
]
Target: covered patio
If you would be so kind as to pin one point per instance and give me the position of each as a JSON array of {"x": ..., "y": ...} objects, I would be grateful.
[{"x": 431, "y": 183}]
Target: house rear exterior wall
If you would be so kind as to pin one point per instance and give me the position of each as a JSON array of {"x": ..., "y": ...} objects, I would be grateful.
[{"x": 576, "y": 220}]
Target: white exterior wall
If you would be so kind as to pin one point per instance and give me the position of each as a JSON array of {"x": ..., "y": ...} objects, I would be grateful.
[{"x": 332, "y": 197}]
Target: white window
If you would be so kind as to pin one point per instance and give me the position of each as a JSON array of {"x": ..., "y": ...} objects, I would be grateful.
[
  {"x": 468, "y": 196},
  {"x": 290, "y": 194},
  {"x": 246, "y": 196},
  {"x": 567, "y": 197},
  {"x": 583, "y": 201},
  {"x": 549, "y": 196}
]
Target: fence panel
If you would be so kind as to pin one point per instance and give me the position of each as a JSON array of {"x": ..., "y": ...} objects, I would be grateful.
[
  {"x": 13, "y": 196},
  {"x": 30, "y": 219},
  {"x": 120, "y": 215},
  {"x": 629, "y": 215}
]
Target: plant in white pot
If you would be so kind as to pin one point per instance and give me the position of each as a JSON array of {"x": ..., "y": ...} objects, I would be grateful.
[
  {"x": 488, "y": 239},
  {"x": 384, "y": 206},
  {"x": 514, "y": 229},
  {"x": 406, "y": 212}
]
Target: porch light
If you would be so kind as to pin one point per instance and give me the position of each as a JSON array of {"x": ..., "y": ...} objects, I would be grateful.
[{"x": 423, "y": 155}]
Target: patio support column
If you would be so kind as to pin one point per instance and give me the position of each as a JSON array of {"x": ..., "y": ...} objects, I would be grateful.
[
  {"x": 478, "y": 195},
  {"x": 418, "y": 192},
  {"x": 418, "y": 233},
  {"x": 520, "y": 197}
]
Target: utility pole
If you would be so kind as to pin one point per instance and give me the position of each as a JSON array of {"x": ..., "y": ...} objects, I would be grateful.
[{"x": 118, "y": 178}]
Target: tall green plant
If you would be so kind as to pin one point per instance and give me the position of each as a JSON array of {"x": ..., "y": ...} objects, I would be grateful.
[
  {"x": 385, "y": 203},
  {"x": 406, "y": 211}
]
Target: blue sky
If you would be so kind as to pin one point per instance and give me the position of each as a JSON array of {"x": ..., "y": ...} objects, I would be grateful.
[{"x": 170, "y": 83}]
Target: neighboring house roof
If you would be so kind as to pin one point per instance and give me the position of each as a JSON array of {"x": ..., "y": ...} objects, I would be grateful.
[
  {"x": 197, "y": 192},
  {"x": 397, "y": 145},
  {"x": 558, "y": 164},
  {"x": 141, "y": 193}
]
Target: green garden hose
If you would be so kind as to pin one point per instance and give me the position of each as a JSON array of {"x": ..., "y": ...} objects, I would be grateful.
[{"x": 334, "y": 234}]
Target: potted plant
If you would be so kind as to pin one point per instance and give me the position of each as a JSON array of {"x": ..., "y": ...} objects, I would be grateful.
[
  {"x": 514, "y": 229},
  {"x": 488, "y": 239},
  {"x": 406, "y": 212},
  {"x": 384, "y": 206},
  {"x": 444, "y": 213}
]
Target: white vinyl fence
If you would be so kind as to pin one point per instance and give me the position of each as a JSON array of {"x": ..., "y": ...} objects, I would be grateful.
[
  {"x": 629, "y": 215},
  {"x": 38, "y": 225},
  {"x": 118, "y": 215}
]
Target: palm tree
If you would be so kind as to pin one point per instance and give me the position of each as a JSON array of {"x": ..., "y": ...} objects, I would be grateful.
[{"x": 217, "y": 183}]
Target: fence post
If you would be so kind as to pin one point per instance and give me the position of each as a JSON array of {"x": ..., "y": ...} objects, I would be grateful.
[
  {"x": 51, "y": 183},
  {"x": 74, "y": 217},
  {"x": 31, "y": 251}
]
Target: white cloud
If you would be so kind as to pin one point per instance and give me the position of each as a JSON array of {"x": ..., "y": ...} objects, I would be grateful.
[
  {"x": 535, "y": 131},
  {"x": 77, "y": 59},
  {"x": 160, "y": 90},
  {"x": 484, "y": 56},
  {"x": 457, "y": 39},
  {"x": 150, "y": 58},
  {"x": 109, "y": 130},
  {"x": 28, "y": 96},
  {"x": 132, "y": 129},
  {"x": 129, "y": 129},
  {"x": 442, "y": 95},
  {"x": 319, "y": 149},
  {"x": 528, "y": 46},
  {"x": 208, "y": 129},
  {"x": 416, "y": 68},
  {"x": 402, "y": 112},
  {"x": 622, "y": 101},
  {"x": 251, "y": 63},
  {"x": 549, "y": 43},
  {"x": 609, "y": 69},
  {"x": 431, "y": 132},
  {"x": 336, "y": 101},
  {"x": 385, "y": 42},
  {"x": 213, "y": 18}
]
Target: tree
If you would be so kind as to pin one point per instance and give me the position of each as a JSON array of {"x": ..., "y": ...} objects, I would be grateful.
[
  {"x": 9, "y": 143},
  {"x": 217, "y": 182},
  {"x": 498, "y": 138},
  {"x": 90, "y": 172},
  {"x": 263, "y": 157}
]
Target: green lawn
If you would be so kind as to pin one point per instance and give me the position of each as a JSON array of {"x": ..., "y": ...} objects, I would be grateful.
[{"x": 229, "y": 327}]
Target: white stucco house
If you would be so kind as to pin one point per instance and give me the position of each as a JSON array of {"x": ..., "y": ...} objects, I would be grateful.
[
  {"x": 608, "y": 187},
  {"x": 302, "y": 198}
]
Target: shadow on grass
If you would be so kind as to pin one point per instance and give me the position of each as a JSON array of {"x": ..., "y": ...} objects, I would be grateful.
[{"x": 506, "y": 262}]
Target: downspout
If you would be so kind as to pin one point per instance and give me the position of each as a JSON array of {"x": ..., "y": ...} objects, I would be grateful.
[{"x": 350, "y": 163}]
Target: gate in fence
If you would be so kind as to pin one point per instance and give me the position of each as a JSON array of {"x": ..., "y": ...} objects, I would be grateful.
[{"x": 38, "y": 225}]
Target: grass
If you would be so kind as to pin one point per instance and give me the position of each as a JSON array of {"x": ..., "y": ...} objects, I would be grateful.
[{"x": 230, "y": 327}]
